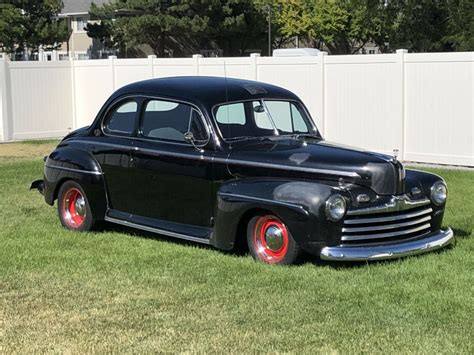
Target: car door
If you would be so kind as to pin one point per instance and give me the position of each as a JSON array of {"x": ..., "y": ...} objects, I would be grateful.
[
  {"x": 112, "y": 150},
  {"x": 171, "y": 178}
]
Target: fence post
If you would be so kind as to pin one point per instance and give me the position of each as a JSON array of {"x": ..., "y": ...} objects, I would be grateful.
[
  {"x": 73, "y": 93},
  {"x": 196, "y": 63},
  {"x": 112, "y": 69},
  {"x": 150, "y": 63},
  {"x": 322, "y": 110},
  {"x": 5, "y": 97},
  {"x": 254, "y": 65},
  {"x": 401, "y": 62}
]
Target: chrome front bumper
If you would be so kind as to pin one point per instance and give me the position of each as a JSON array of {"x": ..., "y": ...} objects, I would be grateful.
[{"x": 432, "y": 242}]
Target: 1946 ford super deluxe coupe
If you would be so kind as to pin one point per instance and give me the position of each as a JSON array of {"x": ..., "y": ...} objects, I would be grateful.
[{"x": 223, "y": 161}]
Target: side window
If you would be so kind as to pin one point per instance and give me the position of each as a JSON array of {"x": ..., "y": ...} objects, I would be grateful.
[
  {"x": 169, "y": 121},
  {"x": 231, "y": 114},
  {"x": 122, "y": 119}
]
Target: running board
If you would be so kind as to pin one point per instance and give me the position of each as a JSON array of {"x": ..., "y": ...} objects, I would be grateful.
[{"x": 157, "y": 230}]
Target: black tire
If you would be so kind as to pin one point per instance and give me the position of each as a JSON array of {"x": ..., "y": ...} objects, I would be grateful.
[
  {"x": 73, "y": 208},
  {"x": 270, "y": 241}
]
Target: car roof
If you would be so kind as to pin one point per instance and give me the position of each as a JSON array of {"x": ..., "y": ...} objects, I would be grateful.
[{"x": 205, "y": 91}]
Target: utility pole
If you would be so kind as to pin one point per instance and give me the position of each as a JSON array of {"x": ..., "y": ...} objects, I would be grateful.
[{"x": 269, "y": 30}]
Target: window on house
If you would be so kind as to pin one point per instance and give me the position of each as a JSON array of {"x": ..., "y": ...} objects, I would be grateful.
[{"x": 81, "y": 23}]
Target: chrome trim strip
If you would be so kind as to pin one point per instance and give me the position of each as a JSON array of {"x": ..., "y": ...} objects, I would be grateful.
[
  {"x": 386, "y": 226},
  {"x": 385, "y": 235},
  {"x": 258, "y": 199},
  {"x": 430, "y": 243},
  {"x": 91, "y": 141},
  {"x": 154, "y": 152},
  {"x": 74, "y": 170},
  {"x": 156, "y": 230},
  {"x": 293, "y": 168},
  {"x": 388, "y": 218},
  {"x": 229, "y": 161},
  {"x": 397, "y": 203}
]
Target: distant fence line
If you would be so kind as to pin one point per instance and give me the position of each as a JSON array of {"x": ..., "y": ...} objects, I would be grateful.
[{"x": 420, "y": 104}]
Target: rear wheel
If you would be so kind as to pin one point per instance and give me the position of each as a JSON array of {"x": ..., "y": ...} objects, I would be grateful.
[
  {"x": 73, "y": 207},
  {"x": 270, "y": 241}
]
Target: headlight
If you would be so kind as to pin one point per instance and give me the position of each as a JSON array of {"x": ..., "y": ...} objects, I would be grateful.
[
  {"x": 439, "y": 193},
  {"x": 335, "y": 207}
]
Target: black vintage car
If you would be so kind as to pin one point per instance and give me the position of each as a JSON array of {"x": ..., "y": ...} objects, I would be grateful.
[{"x": 223, "y": 161}]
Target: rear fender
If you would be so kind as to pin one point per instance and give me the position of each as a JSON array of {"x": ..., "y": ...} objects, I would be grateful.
[{"x": 66, "y": 163}]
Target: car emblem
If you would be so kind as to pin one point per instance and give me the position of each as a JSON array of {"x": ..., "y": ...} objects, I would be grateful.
[{"x": 363, "y": 198}]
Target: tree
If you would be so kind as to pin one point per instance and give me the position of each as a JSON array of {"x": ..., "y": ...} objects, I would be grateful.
[
  {"x": 159, "y": 24},
  {"x": 417, "y": 25},
  {"x": 342, "y": 26},
  {"x": 31, "y": 25},
  {"x": 460, "y": 25},
  {"x": 180, "y": 26},
  {"x": 10, "y": 33},
  {"x": 235, "y": 26},
  {"x": 345, "y": 26}
]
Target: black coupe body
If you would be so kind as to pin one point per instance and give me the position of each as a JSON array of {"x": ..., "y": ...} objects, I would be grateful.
[{"x": 223, "y": 161}]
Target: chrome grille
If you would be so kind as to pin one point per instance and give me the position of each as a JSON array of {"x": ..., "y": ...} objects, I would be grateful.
[{"x": 386, "y": 226}]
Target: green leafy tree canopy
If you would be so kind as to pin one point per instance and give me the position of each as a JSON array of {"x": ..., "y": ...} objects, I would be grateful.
[
  {"x": 31, "y": 24},
  {"x": 180, "y": 26}
]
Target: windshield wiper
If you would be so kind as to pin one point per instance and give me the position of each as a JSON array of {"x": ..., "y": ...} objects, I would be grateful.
[
  {"x": 250, "y": 138},
  {"x": 305, "y": 135}
]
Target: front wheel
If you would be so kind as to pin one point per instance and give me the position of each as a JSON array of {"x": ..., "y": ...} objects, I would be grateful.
[
  {"x": 73, "y": 207},
  {"x": 270, "y": 241}
]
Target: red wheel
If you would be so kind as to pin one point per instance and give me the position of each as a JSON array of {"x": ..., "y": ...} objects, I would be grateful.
[
  {"x": 270, "y": 241},
  {"x": 73, "y": 207}
]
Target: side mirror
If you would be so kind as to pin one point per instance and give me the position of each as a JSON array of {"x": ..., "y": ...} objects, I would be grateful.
[{"x": 189, "y": 138}]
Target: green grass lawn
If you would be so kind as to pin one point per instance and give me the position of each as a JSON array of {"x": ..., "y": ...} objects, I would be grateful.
[{"x": 121, "y": 290}]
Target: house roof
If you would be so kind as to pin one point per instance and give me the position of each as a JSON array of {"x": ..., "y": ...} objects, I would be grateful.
[{"x": 79, "y": 6}]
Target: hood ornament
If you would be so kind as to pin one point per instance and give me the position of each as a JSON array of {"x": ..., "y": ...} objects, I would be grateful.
[{"x": 395, "y": 154}]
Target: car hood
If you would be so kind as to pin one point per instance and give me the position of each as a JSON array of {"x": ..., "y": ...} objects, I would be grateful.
[{"x": 317, "y": 159}]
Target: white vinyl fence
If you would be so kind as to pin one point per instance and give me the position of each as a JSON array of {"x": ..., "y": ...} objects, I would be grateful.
[{"x": 420, "y": 104}]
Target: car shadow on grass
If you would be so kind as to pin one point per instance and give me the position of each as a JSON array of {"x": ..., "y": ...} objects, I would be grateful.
[
  {"x": 242, "y": 251},
  {"x": 461, "y": 233}
]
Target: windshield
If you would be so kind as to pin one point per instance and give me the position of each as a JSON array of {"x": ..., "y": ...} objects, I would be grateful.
[{"x": 262, "y": 118}]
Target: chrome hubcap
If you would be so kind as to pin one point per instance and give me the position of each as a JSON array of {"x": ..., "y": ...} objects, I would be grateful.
[
  {"x": 80, "y": 206},
  {"x": 274, "y": 238},
  {"x": 74, "y": 208}
]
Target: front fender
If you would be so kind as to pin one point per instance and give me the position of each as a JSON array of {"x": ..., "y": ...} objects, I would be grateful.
[
  {"x": 299, "y": 204},
  {"x": 66, "y": 163},
  {"x": 424, "y": 181}
]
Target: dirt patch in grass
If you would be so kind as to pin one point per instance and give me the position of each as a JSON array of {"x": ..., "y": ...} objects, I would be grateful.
[{"x": 27, "y": 149}]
